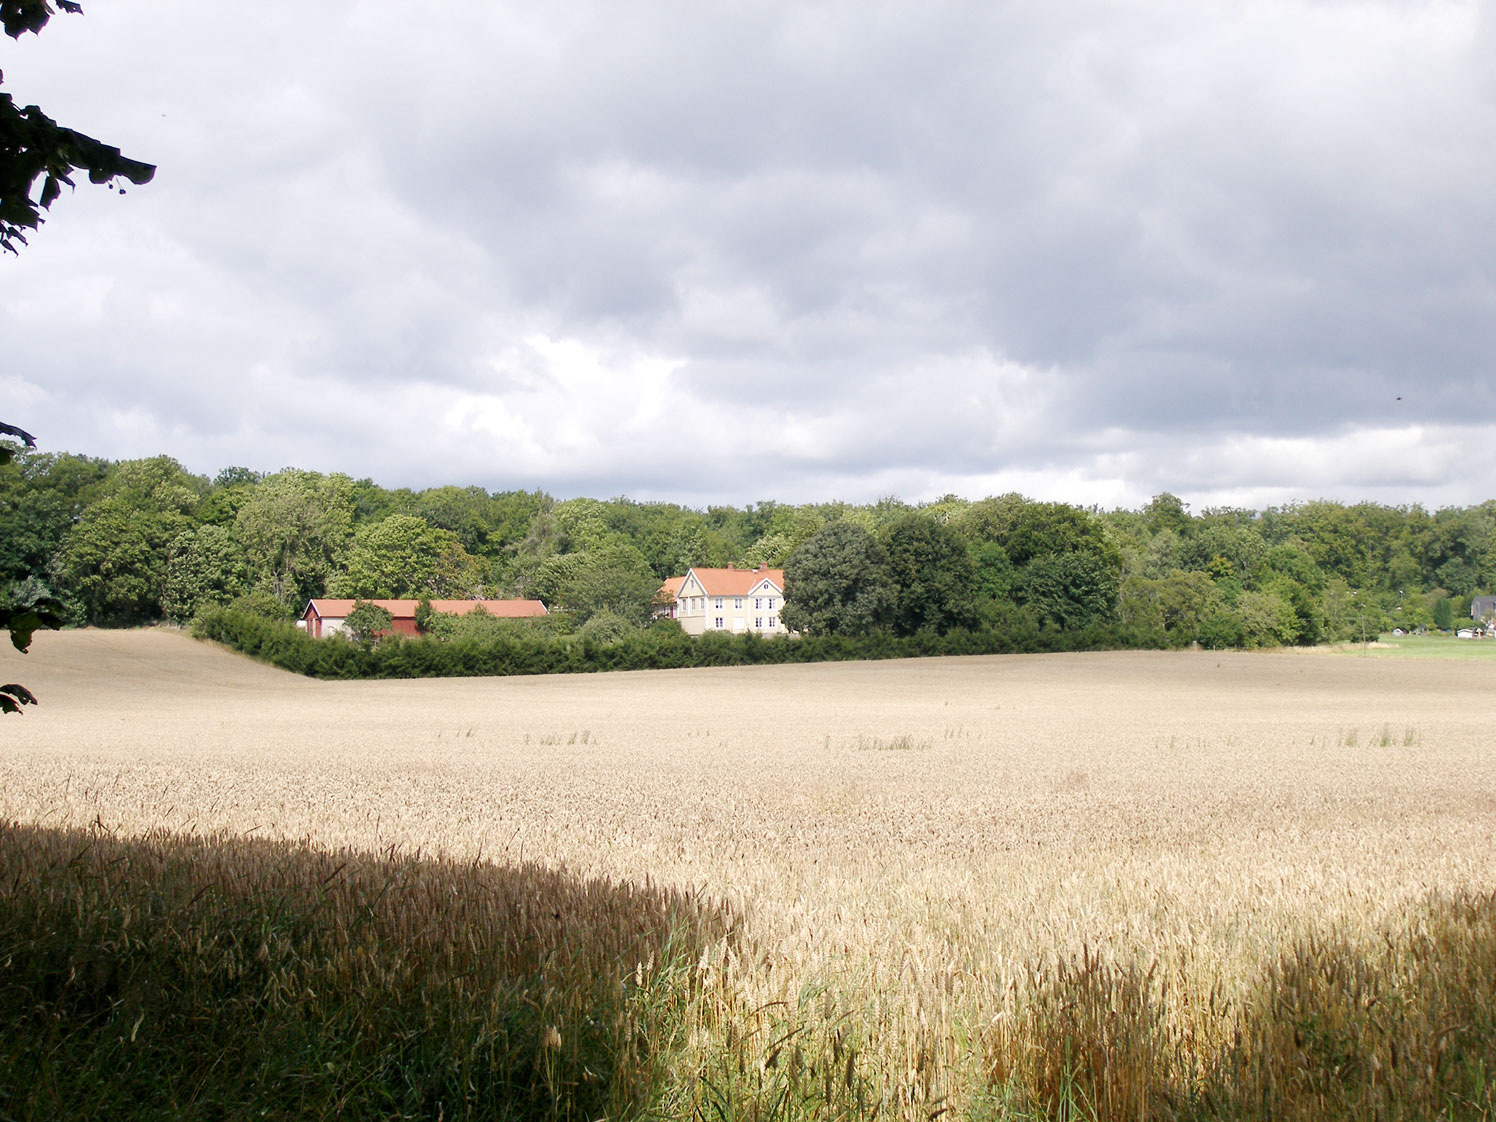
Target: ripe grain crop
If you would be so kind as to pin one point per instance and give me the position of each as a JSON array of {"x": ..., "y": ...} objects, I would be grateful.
[{"x": 1131, "y": 885}]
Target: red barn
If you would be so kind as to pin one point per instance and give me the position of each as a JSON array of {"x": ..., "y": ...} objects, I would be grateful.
[{"x": 325, "y": 617}]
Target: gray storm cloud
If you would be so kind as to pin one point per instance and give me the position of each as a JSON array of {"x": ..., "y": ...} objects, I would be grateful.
[{"x": 722, "y": 253}]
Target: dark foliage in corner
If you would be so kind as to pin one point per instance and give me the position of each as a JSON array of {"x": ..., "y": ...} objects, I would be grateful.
[{"x": 33, "y": 146}]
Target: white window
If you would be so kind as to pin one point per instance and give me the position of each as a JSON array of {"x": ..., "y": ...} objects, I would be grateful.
[
  {"x": 771, "y": 603},
  {"x": 718, "y": 604},
  {"x": 757, "y": 603},
  {"x": 737, "y": 603},
  {"x": 758, "y": 623},
  {"x": 720, "y": 624},
  {"x": 773, "y": 623}
]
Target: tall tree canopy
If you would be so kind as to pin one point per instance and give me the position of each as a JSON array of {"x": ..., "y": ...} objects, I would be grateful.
[
  {"x": 114, "y": 557},
  {"x": 933, "y": 570},
  {"x": 295, "y": 528},
  {"x": 838, "y": 583},
  {"x": 138, "y": 540},
  {"x": 403, "y": 555}
]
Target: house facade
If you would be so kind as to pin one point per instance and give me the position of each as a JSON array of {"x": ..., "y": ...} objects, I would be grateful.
[
  {"x": 733, "y": 600},
  {"x": 324, "y": 617}
]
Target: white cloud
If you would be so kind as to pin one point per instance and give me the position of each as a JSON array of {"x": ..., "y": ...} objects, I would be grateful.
[{"x": 1078, "y": 250}]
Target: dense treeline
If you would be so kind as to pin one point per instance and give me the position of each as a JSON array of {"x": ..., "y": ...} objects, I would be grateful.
[{"x": 139, "y": 541}]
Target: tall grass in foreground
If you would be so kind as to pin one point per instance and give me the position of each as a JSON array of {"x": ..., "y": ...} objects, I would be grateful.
[
  {"x": 1404, "y": 1028},
  {"x": 171, "y": 977},
  {"x": 225, "y": 978}
]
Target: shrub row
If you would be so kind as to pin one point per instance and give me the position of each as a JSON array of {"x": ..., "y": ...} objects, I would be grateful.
[{"x": 661, "y": 646}]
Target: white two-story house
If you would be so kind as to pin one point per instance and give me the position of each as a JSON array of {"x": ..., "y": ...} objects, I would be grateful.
[{"x": 732, "y": 600}]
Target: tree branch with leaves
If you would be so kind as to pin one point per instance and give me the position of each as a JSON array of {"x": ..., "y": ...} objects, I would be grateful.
[{"x": 33, "y": 146}]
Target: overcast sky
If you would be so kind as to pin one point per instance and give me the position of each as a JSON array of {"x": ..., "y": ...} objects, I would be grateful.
[{"x": 725, "y": 252}]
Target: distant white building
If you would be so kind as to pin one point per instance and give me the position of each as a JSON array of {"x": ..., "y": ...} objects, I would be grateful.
[{"x": 734, "y": 600}]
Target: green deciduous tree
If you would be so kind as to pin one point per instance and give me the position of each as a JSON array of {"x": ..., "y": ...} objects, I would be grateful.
[
  {"x": 114, "y": 560},
  {"x": 609, "y": 576},
  {"x": 574, "y": 560},
  {"x": 838, "y": 583},
  {"x": 1072, "y": 589},
  {"x": 41, "y": 497},
  {"x": 685, "y": 548},
  {"x": 1291, "y": 561},
  {"x": 1158, "y": 557},
  {"x": 771, "y": 550},
  {"x": 204, "y": 566},
  {"x": 403, "y": 555},
  {"x": 365, "y": 621},
  {"x": 425, "y": 615},
  {"x": 1444, "y": 614},
  {"x": 1224, "y": 544},
  {"x": 1063, "y": 565},
  {"x": 994, "y": 570},
  {"x": 1176, "y": 605},
  {"x": 114, "y": 563},
  {"x": 1352, "y": 542},
  {"x": 1168, "y": 512},
  {"x": 513, "y": 513},
  {"x": 1268, "y": 619},
  {"x": 606, "y": 627},
  {"x": 1306, "y": 616},
  {"x": 933, "y": 572},
  {"x": 467, "y": 512},
  {"x": 231, "y": 488},
  {"x": 295, "y": 528},
  {"x": 1338, "y": 610}
]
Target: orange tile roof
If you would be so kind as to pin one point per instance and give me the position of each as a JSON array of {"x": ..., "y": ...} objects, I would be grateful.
[
  {"x": 728, "y": 582},
  {"x": 406, "y": 609}
]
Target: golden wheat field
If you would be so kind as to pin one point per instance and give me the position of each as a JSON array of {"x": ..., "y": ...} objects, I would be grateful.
[{"x": 915, "y": 841}]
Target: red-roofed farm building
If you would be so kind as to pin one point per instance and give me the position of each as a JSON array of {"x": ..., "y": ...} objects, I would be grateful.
[{"x": 325, "y": 617}]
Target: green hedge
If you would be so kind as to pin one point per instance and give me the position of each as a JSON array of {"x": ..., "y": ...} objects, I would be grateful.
[{"x": 659, "y": 647}]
